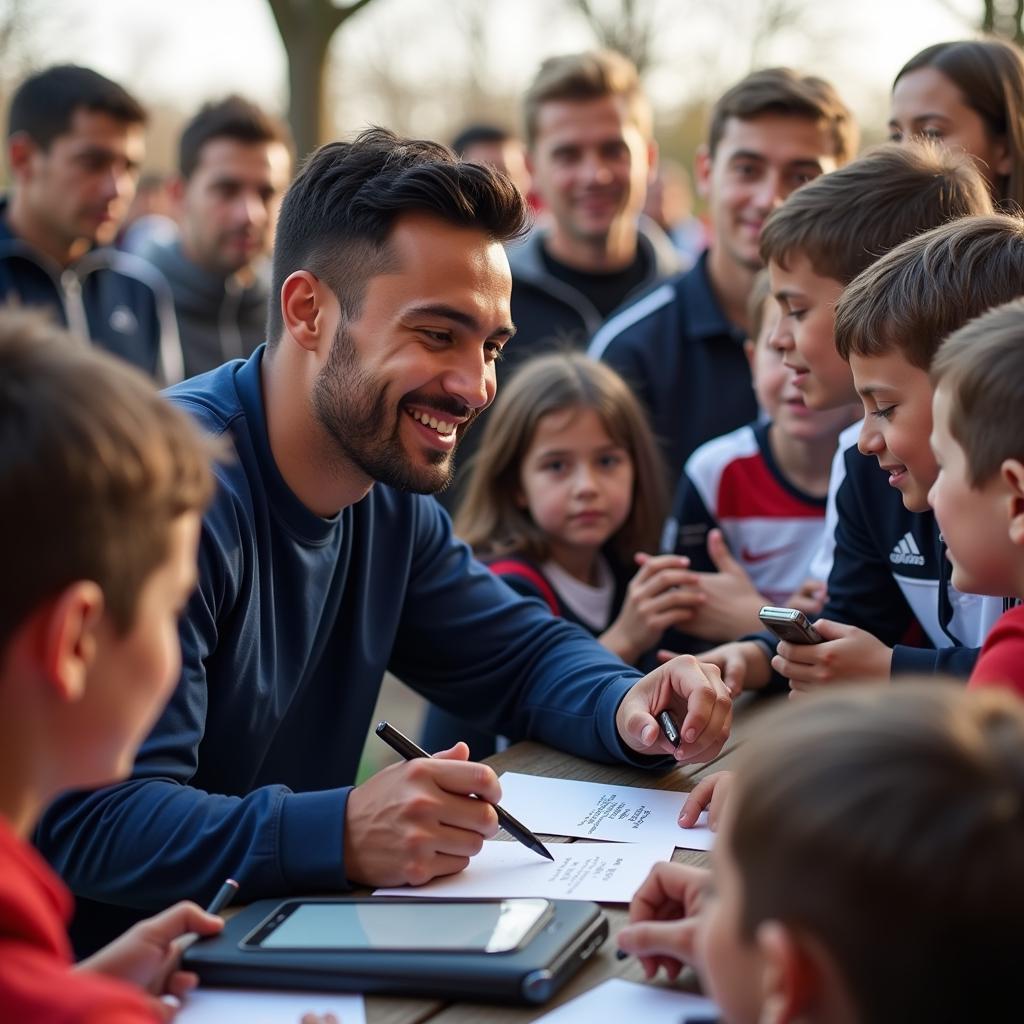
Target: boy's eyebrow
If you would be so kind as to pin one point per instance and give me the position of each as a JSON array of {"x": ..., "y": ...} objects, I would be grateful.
[
  {"x": 458, "y": 316},
  {"x": 871, "y": 389}
]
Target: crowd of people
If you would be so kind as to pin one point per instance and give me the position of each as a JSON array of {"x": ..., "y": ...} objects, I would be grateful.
[{"x": 810, "y": 400}]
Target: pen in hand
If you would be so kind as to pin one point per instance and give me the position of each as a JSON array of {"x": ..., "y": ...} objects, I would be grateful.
[
  {"x": 225, "y": 894},
  {"x": 401, "y": 744}
]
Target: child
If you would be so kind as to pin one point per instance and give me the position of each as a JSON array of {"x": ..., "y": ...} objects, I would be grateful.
[
  {"x": 968, "y": 94},
  {"x": 102, "y": 485},
  {"x": 978, "y": 495},
  {"x": 867, "y": 868},
  {"x": 882, "y": 603},
  {"x": 564, "y": 498},
  {"x": 751, "y": 504}
]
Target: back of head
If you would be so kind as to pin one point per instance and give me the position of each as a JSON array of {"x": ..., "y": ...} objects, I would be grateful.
[
  {"x": 95, "y": 466},
  {"x": 43, "y": 105},
  {"x": 491, "y": 518},
  {"x": 842, "y": 222},
  {"x": 990, "y": 75},
  {"x": 479, "y": 135},
  {"x": 230, "y": 118},
  {"x": 927, "y": 287},
  {"x": 887, "y": 824},
  {"x": 783, "y": 91},
  {"x": 981, "y": 368},
  {"x": 592, "y": 75},
  {"x": 337, "y": 214}
]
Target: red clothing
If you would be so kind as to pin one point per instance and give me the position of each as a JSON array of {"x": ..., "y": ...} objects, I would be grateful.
[
  {"x": 37, "y": 983},
  {"x": 1001, "y": 662}
]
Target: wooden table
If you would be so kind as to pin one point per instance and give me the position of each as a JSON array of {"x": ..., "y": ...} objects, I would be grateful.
[{"x": 535, "y": 759}]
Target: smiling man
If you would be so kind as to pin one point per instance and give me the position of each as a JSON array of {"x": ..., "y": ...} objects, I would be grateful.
[
  {"x": 681, "y": 345},
  {"x": 75, "y": 141},
  {"x": 324, "y": 562},
  {"x": 234, "y": 163}
]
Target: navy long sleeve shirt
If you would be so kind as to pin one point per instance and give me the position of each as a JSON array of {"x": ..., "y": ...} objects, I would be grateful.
[{"x": 285, "y": 642}]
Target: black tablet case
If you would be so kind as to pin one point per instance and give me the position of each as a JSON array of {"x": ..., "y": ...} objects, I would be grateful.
[{"x": 531, "y": 974}]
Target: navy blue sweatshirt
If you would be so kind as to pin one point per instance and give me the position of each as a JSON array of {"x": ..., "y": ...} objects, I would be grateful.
[{"x": 295, "y": 620}]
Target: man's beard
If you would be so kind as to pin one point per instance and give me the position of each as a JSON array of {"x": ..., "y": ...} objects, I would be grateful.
[{"x": 352, "y": 406}]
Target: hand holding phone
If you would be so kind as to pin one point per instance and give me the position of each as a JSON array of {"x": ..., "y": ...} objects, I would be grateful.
[{"x": 789, "y": 624}]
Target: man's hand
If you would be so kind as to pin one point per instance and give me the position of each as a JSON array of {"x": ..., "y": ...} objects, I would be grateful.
[
  {"x": 147, "y": 955},
  {"x": 743, "y": 664},
  {"x": 414, "y": 821},
  {"x": 697, "y": 697},
  {"x": 709, "y": 794},
  {"x": 662, "y": 925},
  {"x": 848, "y": 654}
]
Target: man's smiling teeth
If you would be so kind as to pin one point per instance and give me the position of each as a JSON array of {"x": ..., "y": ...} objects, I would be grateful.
[{"x": 441, "y": 426}]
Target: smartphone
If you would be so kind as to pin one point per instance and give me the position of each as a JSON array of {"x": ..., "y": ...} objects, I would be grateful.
[
  {"x": 789, "y": 624},
  {"x": 400, "y": 925}
]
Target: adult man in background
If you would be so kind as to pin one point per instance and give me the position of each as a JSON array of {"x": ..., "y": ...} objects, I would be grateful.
[
  {"x": 234, "y": 163},
  {"x": 494, "y": 146},
  {"x": 681, "y": 346},
  {"x": 75, "y": 141}
]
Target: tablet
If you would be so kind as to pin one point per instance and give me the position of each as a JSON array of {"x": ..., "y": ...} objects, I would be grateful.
[{"x": 513, "y": 950}]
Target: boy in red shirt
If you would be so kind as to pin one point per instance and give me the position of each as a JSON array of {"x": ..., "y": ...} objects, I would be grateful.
[
  {"x": 102, "y": 485},
  {"x": 978, "y": 497}
]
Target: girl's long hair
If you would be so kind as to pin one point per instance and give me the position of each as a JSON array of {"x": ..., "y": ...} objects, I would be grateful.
[{"x": 490, "y": 518}]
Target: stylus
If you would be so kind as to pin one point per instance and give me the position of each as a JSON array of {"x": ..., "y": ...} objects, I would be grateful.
[
  {"x": 405, "y": 746},
  {"x": 225, "y": 894}
]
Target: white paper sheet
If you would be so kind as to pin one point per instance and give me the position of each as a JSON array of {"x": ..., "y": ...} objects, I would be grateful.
[
  {"x": 263, "y": 1006},
  {"x": 621, "y": 1000},
  {"x": 597, "y": 810},
  {"x": 603, "y": 872}
]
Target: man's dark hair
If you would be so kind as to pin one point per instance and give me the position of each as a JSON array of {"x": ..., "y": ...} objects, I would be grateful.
[
  {"x": 478, "y": 135},
  {"x": 337, "y": 215},
  {"x": 43, "y": 105},
  {"x": 233, "y": 117}
]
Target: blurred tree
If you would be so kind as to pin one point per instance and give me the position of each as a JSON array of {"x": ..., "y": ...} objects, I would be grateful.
[
  {"x": 1004, "y": 19},
  {"x": 629, "y": 26},
  {"x": 307, "y": 27}
]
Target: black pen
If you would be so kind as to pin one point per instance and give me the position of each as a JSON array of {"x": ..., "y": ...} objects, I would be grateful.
[
  {"x": 225, "y": 894},
  {"x": 405, "y": 746}
]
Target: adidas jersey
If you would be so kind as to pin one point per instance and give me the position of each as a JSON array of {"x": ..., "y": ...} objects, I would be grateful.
[
  {"x": 771, "y": 527},
  {"x": 890, "y": 574}
]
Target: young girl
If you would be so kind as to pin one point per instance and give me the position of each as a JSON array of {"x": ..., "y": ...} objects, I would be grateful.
[
  {"x": 968, "y": 94},
  {"x": 565, "y": 498}
]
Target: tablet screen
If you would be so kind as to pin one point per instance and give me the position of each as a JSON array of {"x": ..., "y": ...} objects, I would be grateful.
[{"x": 486, "y": 926}]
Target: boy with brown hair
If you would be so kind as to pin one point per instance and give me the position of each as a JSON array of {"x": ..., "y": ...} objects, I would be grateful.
[
  {"x": 883, "y": 577},
  {"x": 978, "y": 495},
  {"x": 102, "y": 484},
  {"x": 867, "y": 870}
]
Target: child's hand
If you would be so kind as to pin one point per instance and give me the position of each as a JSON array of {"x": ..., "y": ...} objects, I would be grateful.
[
  {"x": 657, "y": 597},
  {"x": 710, "y": 794},
  {"x": 809, "y": 597},
  {"x": 743, "y": 664},
  {"x": 147, "y": 955},
  {"x": 662, "y": 926},
  {"x": 848, "y": 654},
  {"x": 730, "y": 600}
]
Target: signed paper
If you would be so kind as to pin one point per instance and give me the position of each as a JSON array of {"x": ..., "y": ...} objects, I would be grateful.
[
  {"x": 597, "y": 810},
  {"x": 258, "y": 1006},
  {"x": 622, "y": 1000},
  {"x": 603, "y": 872}
]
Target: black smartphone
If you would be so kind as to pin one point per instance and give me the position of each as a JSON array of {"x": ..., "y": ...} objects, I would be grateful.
[
  {"x": 401, "y": 925},
  {"x": 789, "y": 624}
]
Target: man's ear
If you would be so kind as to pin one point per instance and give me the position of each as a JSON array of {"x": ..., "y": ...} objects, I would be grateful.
[
  {"x": 790, "y": 978},
  {"x": 20, "y": 150},
  {"x": 304, "y": 298},
  {"x": 1012, "y": 472},
  {"x": 702, "y": 171},
  {"x": 652, "y": 161},
  {"x": 69, "y": 637},
  {"x": 176, "y": 188}
]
